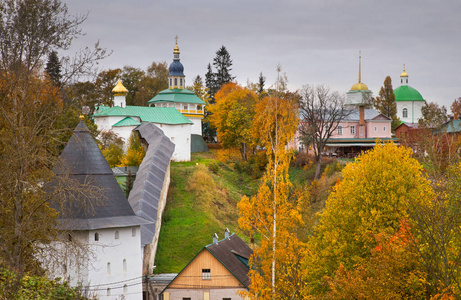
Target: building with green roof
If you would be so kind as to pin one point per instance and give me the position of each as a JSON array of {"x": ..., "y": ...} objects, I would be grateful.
[
  {"x": 409, "y": 101},
  {"x": 122, "y": 120},
  {"x": 177, "y": 96}
]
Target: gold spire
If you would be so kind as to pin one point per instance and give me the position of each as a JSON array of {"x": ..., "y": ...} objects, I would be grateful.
[
  {"x": 404, "y": 74},
  {"x": 360, "y": 86},
  {"x": 176, "y": 48},
  {"x": 119, "y": 89},
  {"x": 360, "y": 65}
]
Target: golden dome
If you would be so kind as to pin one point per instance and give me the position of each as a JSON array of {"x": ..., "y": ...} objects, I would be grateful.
[
  {"x": 360, "y": 86},
  {"x": 404, "y": 74},
  {"x": 119, "y": 89}
]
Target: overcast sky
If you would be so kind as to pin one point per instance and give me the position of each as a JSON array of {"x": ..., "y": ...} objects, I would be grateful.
[{"x": 316, "y": 42}]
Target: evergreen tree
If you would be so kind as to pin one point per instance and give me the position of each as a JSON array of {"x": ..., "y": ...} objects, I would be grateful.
[
  {"x": 261, "y": 83},
  {"x": 128, "y": 185},
  {"x": 222, "y": 63},
  {"x": 385, "y": 102},
  {"x": 53, "y": 68},
  {"x": 210, "y": 83}
]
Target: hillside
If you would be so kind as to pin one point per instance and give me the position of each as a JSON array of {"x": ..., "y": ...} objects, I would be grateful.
[
  {"x": 203, "y": 197},
  {"x": 202, "y": 200}
]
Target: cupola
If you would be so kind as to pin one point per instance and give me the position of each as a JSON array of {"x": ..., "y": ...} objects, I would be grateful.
[
  {"x": 119, "y": 92},
  {"x": 404, "y": 77},
  {"x": 176, "y": 78}
]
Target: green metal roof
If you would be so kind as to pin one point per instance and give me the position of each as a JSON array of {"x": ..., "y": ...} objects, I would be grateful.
[
  {"x": 164, "y": 115},
  {"x": 407, "y": 93},
  {"x": 177, "y": 95},
  {"x": 451, "y": 126},
  {"x": 126, "y": 122}
]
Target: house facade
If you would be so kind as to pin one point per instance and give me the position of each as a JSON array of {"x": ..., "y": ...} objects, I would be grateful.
[{"x": 218, "y": 271}]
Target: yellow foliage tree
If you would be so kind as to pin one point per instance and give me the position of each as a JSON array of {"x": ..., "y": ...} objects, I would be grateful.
[
  {"x": 376, "y": 193},
  {"x": 273, "y": 214},
  {"x": 135, "y": 153},
  {"x": 232, "y": 116}
]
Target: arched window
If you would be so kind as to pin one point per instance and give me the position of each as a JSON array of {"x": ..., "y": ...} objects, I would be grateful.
[
  {"x": 171, "y": 82},
  {"x": 133, "y": 232},
  {"x": 116, "y": 235},
  {"x": 108, "y": 268},
  {"x": 125, "y": 289},
  {"x": 124, "y": 265},
  {"x": 175, "y": 82},
  {"x": 96, "y": 236},
  {"x": 405, "y": 113}
]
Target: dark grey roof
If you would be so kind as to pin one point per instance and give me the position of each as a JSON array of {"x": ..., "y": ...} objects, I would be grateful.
[
  {"x": 82, "y": 164},
  {"x": 197, "y": 144},
  {"x": 147, "y": 187},
  {"x": 370, "y": 114},
  {"x": 228, "y": 251}
]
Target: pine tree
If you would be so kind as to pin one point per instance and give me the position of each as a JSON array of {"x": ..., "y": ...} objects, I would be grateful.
[
  {"x": 223, "y": 63},
  {"x": 53, "y": 68},
  {"x": 261, "y": 83},
  {"x": 210, "y": 83}
]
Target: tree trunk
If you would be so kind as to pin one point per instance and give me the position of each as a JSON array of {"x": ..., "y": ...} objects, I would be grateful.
[{"x": 317, "y": 167}]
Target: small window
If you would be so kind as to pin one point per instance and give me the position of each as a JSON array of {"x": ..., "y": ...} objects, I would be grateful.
[
  {"x": 180, "y": 81},
  {"x": 405, "y": 113},
  {"x": 384, "y": 128},
  {"x": 226, "y": 298},
  {"x": 125, "y": 289},
  {"x": 171, "y": 82},
  {"x": 206, "y": 274},
  {"x": 108, "y": 291},
  {"x": 376, "y": 128},
  {"x": 401, "y": 80},
  {"x": 199, "y": 107},
  {"x": 133, "y": 232},
  {"x": 352, "y": 129},
  {"x": 69, "y": 237},
  {"x": 116, "y": 235},
  {"x": 340, "y": 129},
  {"x": 124, "y": 265},
  {"x": 108, "y": 268},
  {"x": 175, "y": 82},
  {"x": 185, "y": 107},
  {"x": 96, "y": 236},
  {"x": 186, "y": 298}
]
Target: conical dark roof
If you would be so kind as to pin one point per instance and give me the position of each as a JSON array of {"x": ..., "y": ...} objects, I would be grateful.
[{"x": 82, "y": 162}]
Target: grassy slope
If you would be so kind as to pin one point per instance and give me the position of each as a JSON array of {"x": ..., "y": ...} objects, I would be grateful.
[{"x": 200, "y": 203}]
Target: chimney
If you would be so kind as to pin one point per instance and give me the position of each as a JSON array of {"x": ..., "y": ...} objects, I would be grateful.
[
  {"x": 215, "y": 238},
  {"x": 226, "y": 233},
  {"x": 362, "y": 115}
]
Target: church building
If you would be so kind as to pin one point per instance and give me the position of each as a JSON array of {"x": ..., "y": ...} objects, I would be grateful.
[
  {"x": 409, "y": 101},
  {"x": 179, "y": 97}
]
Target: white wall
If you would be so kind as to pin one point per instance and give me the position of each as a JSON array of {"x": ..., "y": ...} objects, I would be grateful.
[
  {"x": 180, "y": 136},
  {"x": 122, "y": 278},
  {"x": 414, "y": 110}
]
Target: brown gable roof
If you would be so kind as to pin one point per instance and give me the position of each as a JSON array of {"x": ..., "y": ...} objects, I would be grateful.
[{"x": 228, "y": 251}]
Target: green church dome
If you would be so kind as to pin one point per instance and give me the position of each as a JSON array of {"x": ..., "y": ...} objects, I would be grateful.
[{"x": 407, "y": 93}]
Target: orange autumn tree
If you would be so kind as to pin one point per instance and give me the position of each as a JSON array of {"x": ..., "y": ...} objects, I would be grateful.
[
  {"x": 232, "y": 116},
  {"x": 272, "y": 214}
]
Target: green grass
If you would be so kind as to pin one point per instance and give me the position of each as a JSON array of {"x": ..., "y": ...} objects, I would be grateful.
[{"x": 195, "y": 210}]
